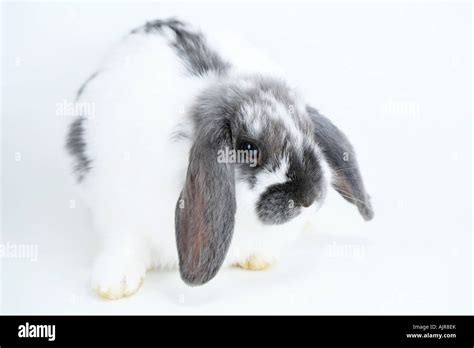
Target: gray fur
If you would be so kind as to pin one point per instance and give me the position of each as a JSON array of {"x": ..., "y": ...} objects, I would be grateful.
[
  {"x": 190, "y": 46},
  {"x": 205, "y": 211},
  {"x": 336, "y": 147},
  {"x": 76, "y": 147},
  {"x": 303, "y": 187},
  {"x": 75, "y": 143}
]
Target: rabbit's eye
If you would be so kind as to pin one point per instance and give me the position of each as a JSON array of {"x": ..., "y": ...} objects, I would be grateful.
[
  {"x": 250, "y": 151},
  {"x": 247, "y": 145}
]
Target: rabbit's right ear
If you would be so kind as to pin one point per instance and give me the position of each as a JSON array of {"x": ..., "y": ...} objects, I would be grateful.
[
  {"x": 341, "y": 157},
  {"x": 205, "y": 211}
]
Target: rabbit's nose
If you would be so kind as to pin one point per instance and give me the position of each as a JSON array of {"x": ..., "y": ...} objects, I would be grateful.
[
  {"x": 307, "y": 199},
  {"x": 307, "y": 202}
]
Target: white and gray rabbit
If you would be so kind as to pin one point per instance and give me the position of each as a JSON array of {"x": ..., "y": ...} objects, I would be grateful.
[{"x": 149, "y": 161}]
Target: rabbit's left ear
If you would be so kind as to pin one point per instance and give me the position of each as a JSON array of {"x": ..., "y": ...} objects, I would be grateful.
[
  {"x": 341, "y": 157},
  {"x": 205, "y": 211}
]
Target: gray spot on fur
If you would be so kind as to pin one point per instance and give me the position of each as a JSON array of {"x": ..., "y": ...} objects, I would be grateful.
[
  {"x": 190, "y": 46},
  {"x": 76, "y": 146},
  {"x": 75, "y": 143}
]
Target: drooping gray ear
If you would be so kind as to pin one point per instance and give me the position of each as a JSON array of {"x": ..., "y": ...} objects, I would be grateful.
[
  {"x": 342, "y": 159},
  {"x": 205, "y": 211}
]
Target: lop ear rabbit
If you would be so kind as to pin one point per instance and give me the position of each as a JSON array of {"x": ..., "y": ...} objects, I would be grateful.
[{"x": 188, "y": 161}]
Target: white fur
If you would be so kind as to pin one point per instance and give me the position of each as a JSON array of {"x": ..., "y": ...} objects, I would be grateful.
[{"x": 139, "y": 167}]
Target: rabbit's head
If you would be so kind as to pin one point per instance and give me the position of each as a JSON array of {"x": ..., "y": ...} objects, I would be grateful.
[{"x": 256, "y": 132}]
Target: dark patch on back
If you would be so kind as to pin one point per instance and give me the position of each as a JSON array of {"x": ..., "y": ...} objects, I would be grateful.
[
  {"x": 76, "y": 147},
  {"x": 158, "y": 24},
  {"x": 75, "y": 143},
  {"x": 191, "y": 47}
]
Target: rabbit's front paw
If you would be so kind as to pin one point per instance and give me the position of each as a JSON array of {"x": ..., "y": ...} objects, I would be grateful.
[
  {"x": 114, "y": 278},
  {"x": 255, "y": 263}
]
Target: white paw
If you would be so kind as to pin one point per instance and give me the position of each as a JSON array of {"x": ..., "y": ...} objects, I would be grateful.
[
  {"x": 255, "y": 263},
  {"x": 115, "y": 277}
]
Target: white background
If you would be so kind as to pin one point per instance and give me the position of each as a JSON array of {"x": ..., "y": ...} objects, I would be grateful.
[{"x": 395, "y": 77}]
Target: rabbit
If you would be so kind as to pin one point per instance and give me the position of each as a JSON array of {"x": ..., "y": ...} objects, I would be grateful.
[{"x": 166, "y": 106}]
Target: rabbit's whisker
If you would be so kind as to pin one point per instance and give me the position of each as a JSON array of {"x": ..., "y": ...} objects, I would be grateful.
[
  {"x": 348, "y": 195},
  {"x": 345, "y": 168}
]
